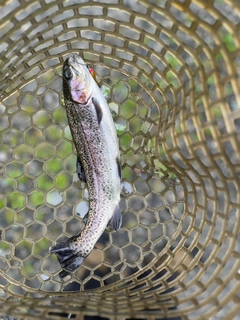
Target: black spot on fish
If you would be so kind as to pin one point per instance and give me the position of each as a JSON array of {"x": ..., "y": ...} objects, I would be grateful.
[
  {"x": 98, "y": 110},
  {"x": 119, "y": 168}
]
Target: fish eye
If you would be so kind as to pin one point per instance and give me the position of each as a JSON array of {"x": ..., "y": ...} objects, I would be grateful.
[{"x": 68, "y": 74}]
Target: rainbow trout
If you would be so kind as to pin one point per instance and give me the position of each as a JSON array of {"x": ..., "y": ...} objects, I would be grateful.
[{"x": 98, "y": 160}]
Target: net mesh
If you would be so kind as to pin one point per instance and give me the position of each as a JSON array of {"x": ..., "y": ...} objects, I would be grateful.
[{"x": 170, "y": 70}]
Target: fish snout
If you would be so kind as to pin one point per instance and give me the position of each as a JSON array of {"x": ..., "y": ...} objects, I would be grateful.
[{"x": 76, "y": 59}]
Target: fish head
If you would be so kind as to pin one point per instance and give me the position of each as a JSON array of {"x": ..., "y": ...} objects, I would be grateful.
[{"x": 78, "y": 79}]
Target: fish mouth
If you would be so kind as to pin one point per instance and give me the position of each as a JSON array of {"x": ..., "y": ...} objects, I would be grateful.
[{"x": 75, "y": 60}]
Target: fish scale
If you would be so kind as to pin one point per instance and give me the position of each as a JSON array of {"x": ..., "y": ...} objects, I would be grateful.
[{"x": 96, "y": 143}]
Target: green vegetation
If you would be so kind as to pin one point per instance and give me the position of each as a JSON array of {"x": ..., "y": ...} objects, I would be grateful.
[
  {"x": 174, "y": 63},
  {"x": 229, "y": 41},
  {"x": 15, "y": 200}
]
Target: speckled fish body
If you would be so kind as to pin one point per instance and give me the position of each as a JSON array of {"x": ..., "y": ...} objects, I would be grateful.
[{"x": 98, "y": 163}]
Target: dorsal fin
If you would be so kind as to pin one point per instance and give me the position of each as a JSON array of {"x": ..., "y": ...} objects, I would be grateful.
[{"x": 80, "y": 170}]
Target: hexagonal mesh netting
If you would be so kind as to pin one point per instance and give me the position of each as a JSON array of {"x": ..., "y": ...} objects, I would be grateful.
[{"x": 171, "y": 71}]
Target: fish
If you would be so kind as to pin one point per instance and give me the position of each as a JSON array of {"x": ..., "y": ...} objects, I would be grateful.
[{"x": 98, "y": 161}]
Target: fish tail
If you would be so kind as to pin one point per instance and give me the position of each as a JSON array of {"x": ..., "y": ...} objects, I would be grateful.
[{"x": 69, "y": 255}]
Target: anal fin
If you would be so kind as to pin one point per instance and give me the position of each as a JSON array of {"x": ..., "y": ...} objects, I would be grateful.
[{"x": 116, "y": 221}]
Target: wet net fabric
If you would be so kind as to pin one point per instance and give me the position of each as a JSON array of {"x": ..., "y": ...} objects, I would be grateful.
[{"x": 170, "y": 71}]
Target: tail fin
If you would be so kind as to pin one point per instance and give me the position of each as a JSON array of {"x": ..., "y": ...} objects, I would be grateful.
[{"x": 69, "y": 258}]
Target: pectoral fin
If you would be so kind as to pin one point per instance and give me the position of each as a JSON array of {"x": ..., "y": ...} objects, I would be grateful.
[
  {"x": 98, "y": 110},
  {"x": 119, "y": 168},
  {"x": 80, "y": 171},
  {"x": 116, "y": 221}
]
